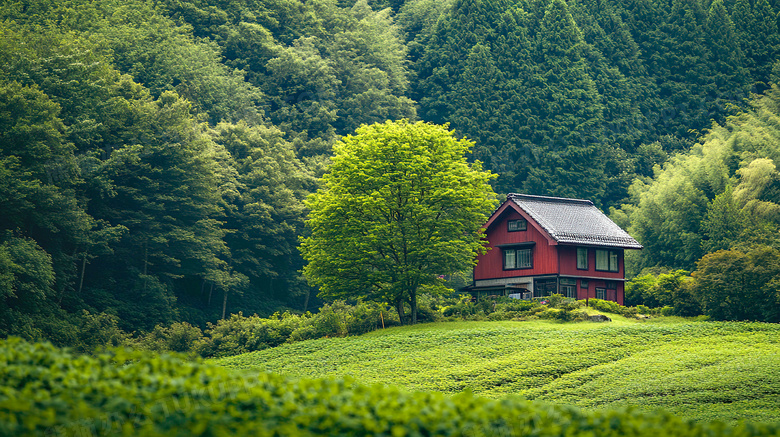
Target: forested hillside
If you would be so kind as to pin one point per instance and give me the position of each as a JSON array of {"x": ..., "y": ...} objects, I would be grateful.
[
  {"x": 578, "y": 98},
  {"x": 154, "y": 155}
]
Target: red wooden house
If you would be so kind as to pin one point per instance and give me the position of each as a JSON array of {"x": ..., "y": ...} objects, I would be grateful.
[{"x": 544, "y": 245}]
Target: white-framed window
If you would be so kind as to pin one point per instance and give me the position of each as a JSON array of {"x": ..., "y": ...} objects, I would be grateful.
[
  {"x": 569, "y": 287},
  {"x": 582, "y": 258},
  {"x": 516, "y": 225},
  {"x": 601, "y": 293},
  {"x": 518, "y": 259},
  {"x": 607, "y": 260}
]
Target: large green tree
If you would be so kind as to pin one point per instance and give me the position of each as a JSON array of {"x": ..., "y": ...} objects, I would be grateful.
[{"x": 399, "y": 207}]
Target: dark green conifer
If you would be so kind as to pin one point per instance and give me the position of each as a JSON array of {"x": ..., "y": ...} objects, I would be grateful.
[
  {"x": 728, "y": 75},
  {"x": 567, "y": 152}
]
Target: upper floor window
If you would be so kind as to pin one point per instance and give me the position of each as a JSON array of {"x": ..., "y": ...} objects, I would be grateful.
[
  {"x": 607, "y": 260},
  {"x": 517, "y": 225},
  {"x": 582, "y": 258},
  {"x": 518, "y": 259}
]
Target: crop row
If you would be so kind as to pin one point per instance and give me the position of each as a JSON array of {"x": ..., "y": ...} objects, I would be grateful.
[
  {"x": 47, "y": 391},
  {"x": 701, "y": 370}
]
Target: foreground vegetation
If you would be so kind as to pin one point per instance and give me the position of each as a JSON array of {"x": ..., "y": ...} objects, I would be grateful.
[
  {"x": 50, "y": 391},
  {"x": 698, "y": 370}
]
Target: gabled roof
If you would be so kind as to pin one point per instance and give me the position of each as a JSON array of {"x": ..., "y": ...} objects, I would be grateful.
[{"x": 573, "y": 221}]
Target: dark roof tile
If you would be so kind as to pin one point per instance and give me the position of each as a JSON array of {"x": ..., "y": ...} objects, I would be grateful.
[{"x": 574, "y": 221}]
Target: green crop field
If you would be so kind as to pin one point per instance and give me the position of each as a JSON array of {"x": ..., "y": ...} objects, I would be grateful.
[{"x": 702, "y": 371}]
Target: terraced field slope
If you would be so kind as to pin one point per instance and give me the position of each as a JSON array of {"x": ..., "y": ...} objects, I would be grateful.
[{"x": 698, "y": 370}]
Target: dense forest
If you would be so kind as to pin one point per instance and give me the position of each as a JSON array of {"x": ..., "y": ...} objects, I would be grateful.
[{"x": 154, "y": 156}]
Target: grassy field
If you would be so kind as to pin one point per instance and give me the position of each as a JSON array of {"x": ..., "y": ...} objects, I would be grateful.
[{"x": 697, "y": 370}]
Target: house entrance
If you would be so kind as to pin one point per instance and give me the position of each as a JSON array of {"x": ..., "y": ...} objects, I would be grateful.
[{"x": 545, "y": 287}]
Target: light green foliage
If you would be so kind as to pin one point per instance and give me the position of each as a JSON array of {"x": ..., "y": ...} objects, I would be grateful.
[
  {"x": 399, "y": 207},
  {"x": 697, "y": 370},
  {"x": 720, "y": 194},
  {"x": 125, "y": 393}
]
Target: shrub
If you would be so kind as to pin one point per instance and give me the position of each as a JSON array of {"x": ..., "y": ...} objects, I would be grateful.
[
  {"x": 48, "y": 391},
  {"x": 238, "y": 334},
  {"x": 608, "y": 306},
  {"x": 179, "y": 337},
  {"x": 665, "y": 289},
  {"x": 464, "y": 308},
  {"x": 98, "y": 331},
  {"x": 85, "y": 332}
]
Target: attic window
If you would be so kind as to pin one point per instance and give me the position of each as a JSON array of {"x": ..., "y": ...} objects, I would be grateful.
[{"x": 517, "y": 225}]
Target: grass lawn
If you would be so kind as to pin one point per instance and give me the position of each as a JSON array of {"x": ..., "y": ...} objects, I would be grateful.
[{"x": 698, "y": 370}]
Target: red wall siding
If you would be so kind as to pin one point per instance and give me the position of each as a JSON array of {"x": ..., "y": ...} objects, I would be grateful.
[
  {"x": 490, "y": 265},
  {"x": 569, "y": 263},
  {"x": 590, "y": 293},
  {"x": 583, "y": 293}
]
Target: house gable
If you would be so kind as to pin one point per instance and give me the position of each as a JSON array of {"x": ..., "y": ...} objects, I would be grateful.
[
  {"x": 500, "y": 239},
  {"x": 504, "y": 213}
]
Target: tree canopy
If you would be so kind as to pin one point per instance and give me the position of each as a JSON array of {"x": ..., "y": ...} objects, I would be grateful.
[
  {"x": 154, "y": 156},
  {"x": 398, "y": 208}
]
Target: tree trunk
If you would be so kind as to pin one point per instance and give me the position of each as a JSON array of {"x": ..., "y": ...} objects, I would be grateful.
[
  {"x": 224, "y": 303},
  {"x": 306, "y": 302},
  {"x": 83, "y": 267},
  {"x": 62, "y": 285},
  {"x": 146, "y": 261},
  {"x": 413, "y": 305},
  {"x": 399, "y": 306},
  {"x": 211, "y": 291}
]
